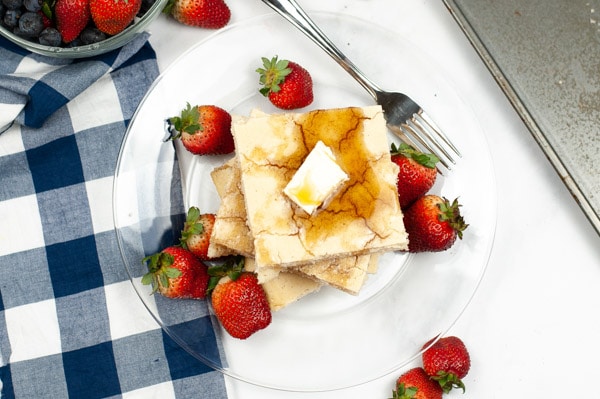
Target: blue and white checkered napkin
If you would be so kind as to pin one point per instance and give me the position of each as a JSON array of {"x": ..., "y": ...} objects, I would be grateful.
[{"x": 70, "y": 322}]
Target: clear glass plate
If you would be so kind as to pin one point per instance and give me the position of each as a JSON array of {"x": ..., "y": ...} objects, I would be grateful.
[{"x": 328, "y": 340}]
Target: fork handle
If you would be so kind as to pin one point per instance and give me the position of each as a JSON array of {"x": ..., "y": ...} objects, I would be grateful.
[{"x": 290, "y": 10}]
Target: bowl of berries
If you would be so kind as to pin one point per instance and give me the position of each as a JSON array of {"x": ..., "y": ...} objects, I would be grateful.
[{"x": 75, "y": 28}]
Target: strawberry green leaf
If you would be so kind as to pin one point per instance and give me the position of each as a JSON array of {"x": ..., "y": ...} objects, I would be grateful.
[
  {"x": 168, "y": 7},
  {"x": 403, "y": 392},
  {"x": 232, "y": 268},
  {"x": 172, "y": 272},
  {"x": 47, "y": 7},
  {"x": 191, "y": 226},
  {"x": 450, "y": 212},
  {"x": 193, "y": 214},
  {"x": 163, "y": 279},
  {"x": 272, "y": 74},
  {"x": 425, "y": 159},
  {"x": 147, "y": 279},
  {"x": 160, "y": 270},
  {"x": 448, "y": 381},
  {"x": 188, "y": 122}
]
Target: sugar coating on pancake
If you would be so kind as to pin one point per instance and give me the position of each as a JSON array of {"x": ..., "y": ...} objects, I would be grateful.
[
  {"x": 364, "y": 218},
  {"x": 231, "y": 234}
]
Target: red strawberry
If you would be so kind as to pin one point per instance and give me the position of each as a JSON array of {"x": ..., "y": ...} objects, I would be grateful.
[
  {"x": 209, "y": 14},
  {"x": 71, "y": 17},
  {"x": 204, "y": 129},
  {"x": 285, "y": 83},
  {"x": 241, "y": 305},
  {"x": 417, "y": 173},
  {"x": 196, "y": 232},
  {"x": 112, "y": 16},
  {"x": 46, "y": 21},
  {"x": 416, "y": 384},
  {"x": 447, "y": 362},
  {"x": 176, "y": 273},
  {"x": 433, "y": 223}
]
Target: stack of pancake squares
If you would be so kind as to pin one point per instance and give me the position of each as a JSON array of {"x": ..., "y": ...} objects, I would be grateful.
[{"x": 294, "y": 253}]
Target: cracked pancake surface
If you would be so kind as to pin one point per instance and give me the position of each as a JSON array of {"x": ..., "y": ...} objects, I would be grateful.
[{"x": 363, "y": 218}]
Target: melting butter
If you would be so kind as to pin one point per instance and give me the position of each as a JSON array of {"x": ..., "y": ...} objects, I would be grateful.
[{"x": 317, "y": 181}]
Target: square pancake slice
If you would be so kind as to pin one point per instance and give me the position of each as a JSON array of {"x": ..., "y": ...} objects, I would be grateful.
[{"x": 363, "y": 218}]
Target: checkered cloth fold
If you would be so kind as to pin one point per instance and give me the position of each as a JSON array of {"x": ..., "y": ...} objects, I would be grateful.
[{"x": 71, "y": 324}]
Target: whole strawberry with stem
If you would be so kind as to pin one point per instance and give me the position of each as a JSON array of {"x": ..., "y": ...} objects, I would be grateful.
[
  {"x": 416, "y": 384},
  {"x": 197, "y": 229},
  {"x": 209, "y": 14},
  {"x": 433, "y": 223},
  {"x": 238, "y": 300},
  {"x": 447, "y": 362},
  {"x": 285, "y": 83},
  {"x": 417, "y": 172},
  {"x": 113, "y": 16},
  {"x": 203, "y": 129},
  {"x": 176, "y": 273},
  {"x": 71, "y": 17}
]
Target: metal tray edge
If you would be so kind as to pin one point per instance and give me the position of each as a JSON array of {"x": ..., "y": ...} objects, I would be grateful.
[{"x": 524, "y": 114}]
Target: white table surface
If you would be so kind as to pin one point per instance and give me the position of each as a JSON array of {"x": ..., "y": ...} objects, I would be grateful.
[{"x": 532, "y": 325}]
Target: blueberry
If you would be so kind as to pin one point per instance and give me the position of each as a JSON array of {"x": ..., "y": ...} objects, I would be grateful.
[
  {"x": 91, "y": 35},
  {"x": 30, "y": 24},
  {"x": 13, "y": 4},
  {"x": 74, "y": 43},
  {"x": 146, "y": 5},
  {"x": 32, "y": 5},
  {"x": 50, "y": 37},
  {"x": 11, "y": 18}
]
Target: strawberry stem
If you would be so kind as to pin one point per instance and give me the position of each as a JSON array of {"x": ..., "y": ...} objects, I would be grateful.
[
  {"x": 450, "y": 212},
  {"x": 403, "y": 392},
  {"x": 48, "y": 8},
  {"x": 188, "y": 122},
  {"x": 159, "y": 270},
  {"x": 272, "y": 74},
  {"x": 425, "y": 159},
  {"x": 448, "y": 381},
  {"x": 232, "y": 268},
  {"x": 192, "y": 226},
  {"x": 168, "y": 7}
]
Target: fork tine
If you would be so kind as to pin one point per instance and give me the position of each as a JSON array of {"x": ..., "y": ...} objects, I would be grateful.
[
  {"x": 417, "y": 140},
  {"x": 429, "y": 142},
  {"x": 428, "y": 121},
  {"x": 429, "y": 135},
  {"x": 405, "y": 136},
  {"x": 408, "y": 135}
]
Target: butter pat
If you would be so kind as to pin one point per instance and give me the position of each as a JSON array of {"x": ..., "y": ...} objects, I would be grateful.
[{"x": 317, "y": 181}]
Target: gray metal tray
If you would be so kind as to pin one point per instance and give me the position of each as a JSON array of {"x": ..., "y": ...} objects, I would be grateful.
[{"x": 545, "y": 55}]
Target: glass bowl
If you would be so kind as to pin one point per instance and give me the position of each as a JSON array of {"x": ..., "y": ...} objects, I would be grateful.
[{"x": 90, "y": 50}]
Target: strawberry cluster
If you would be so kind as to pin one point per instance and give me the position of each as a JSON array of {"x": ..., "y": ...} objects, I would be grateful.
[
  {"x": 179, "y": 271},
  {"x": 445, "y": 364},
  {"x": 432, "y": 222}
]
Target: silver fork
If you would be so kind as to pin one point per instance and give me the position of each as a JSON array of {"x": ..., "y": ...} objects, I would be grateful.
[{"x": 404, "y": 117}]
